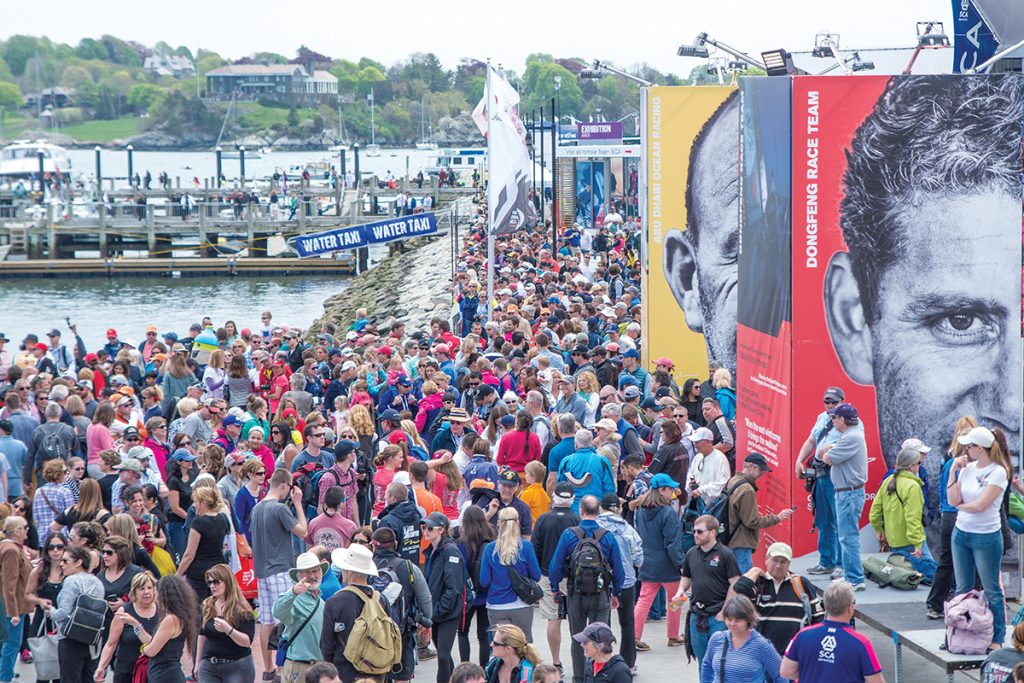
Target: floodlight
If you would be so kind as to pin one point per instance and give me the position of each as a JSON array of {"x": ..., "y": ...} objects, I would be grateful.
[
  {"x": 859, "y": 64},
  {"x": 692, "y": 51},
  {"x": 778, "y": 62},
  {"x": 592, "y": 74},
  {"x": 825, "y": 45},
  {"x": 736, "y": 67}
]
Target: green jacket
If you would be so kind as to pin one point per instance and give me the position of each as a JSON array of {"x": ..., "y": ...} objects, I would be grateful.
[
  {"x": 292, "y": 610},
  {"x": 899, "y": 514}
]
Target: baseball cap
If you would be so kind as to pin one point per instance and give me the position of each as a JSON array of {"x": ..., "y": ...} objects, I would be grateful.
[
  {"x": 436, "y": 520},
  {"x": 702, "y": 434},
  {"x": 7, "y": 426},
  {"x": 348, "y": 365},
  {"x": 596, "y": 632},
  {"x": 130, "y": 465},
  {"x": 916, "y": 444},
  {"x": 130, "y": 432},
  {"x": 230, "y": 420},
  {"x": 41, "y": 347},
  {"x": 610, "y": 501},
  {"x": 845, "y": 411},
  {"x": 53, "y": 333},
  {"x": 758, "y": 459},
  {"x": 631, "y": 353},
  {"x": 391, "y": 415},
  {"x": 631, "y": 392},
  {"x": 509, "y": 478},
  {"x": 403, "y": 381},
  {"x": 979, "y": 436},
  {"x": 661, "y": 479},
  {"x": 183, "y": 454},
  {"x": 779, "y": 549},
  {"x": 111, "y": 332},
  {"x": 835, "y": 393},
  {"x": 564, "y": 492},
  {"x": 650, "y": 404},
  {"x": 666, "y": 361},
  {"x": 507, "y": 421}
]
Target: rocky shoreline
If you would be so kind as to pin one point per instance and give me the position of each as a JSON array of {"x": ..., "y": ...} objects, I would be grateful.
[{"x": 409, "y": 286}]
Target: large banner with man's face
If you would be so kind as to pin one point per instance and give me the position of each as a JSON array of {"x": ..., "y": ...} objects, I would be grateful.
[
  {"x": 692, "y": 222},
  {"x": 906, "y": 259}
]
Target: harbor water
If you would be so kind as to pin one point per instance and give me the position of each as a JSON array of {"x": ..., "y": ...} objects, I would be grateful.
[{"x": 130, "y": 304}]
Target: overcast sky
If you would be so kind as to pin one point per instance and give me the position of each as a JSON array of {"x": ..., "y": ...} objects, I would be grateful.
[{"x": 623, "y": 33}]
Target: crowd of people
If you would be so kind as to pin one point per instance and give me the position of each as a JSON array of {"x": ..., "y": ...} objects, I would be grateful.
[{"x": 343, "y": 503}]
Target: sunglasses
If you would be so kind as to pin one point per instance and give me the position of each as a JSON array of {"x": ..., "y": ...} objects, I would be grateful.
[
  {"x": 107, "y": 552},
  {"x": 261, "y": 473},
  {"x": 318, "y": 436},
  {"x": 496, "y": 643},
  {"x": 55, "y": 547},
  {"x": 360, "y": 541},
  {"x": 831, "y": 402},
  {"x": 213, "y": 582}
]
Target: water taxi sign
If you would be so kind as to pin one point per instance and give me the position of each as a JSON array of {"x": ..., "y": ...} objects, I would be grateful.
[{"x": 353, "y": 237}]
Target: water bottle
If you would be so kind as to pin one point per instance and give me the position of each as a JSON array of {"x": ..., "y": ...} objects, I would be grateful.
[{"x": 676, "y": 603}]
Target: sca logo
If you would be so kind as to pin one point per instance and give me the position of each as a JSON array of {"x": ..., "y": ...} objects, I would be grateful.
[{"x": 827, "y": 653}]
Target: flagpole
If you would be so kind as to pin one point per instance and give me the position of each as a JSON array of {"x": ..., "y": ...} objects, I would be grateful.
[{"x": 490, "y": 203}]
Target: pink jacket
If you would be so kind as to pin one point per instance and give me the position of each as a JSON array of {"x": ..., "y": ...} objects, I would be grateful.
[{"x": 97, "y": 438}]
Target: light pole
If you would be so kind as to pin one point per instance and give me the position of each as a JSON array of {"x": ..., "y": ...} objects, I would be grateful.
[
  {"x": 131, "y": 167},
  {"x": 219, "y": 154}
]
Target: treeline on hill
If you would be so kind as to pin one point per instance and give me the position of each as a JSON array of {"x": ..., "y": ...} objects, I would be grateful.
[{"x": 106, "y": 80}]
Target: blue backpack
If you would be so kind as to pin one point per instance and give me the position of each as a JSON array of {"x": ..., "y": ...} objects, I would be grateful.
[{"x": 719, "y": 509}]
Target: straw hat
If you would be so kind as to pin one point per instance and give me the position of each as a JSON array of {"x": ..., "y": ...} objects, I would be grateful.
[{"x": 307, "y": 561}]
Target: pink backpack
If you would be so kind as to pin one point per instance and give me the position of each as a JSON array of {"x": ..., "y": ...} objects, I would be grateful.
[{"x": 969, "y": 624}]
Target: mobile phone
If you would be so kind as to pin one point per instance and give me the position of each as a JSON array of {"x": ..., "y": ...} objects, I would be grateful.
[{"x": 793, "y": 508}]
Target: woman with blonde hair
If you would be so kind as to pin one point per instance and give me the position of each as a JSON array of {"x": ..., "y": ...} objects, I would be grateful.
[
  {"x": 123, "y": 644},
  {"x": 89, "y": 508},
  {"x": 227, "y": 631},
  {"x": 215, "y": 375},
  {"x": 124, "y": 526},
  {"x": 977, "y": 484},
  {"x": 726, "y": 395},
  {"x": 507, "y": 553},
  {"x": 409, "y": 427},
  {"x": 588, "y": 388},
  {"x": 254, "y": 474},
  {"x": 942, "y": 584},
  {"x": 513, "y": 657},
  {"x": 205, "y": 546},
  {"x": 184, "y": 408}
]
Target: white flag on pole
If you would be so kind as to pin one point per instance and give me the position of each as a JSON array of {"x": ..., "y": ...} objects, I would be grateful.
[{"x": 508, "y": 160}]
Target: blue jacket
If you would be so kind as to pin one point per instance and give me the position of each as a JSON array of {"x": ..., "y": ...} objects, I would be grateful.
[
  {"x": 567, "y": 544},
  {"x": 631, "y": 546},
  {"x": 944, "y": 505},
  {"x": 480, "y": 468},
  {"x": 494, "y": 575},
  {"x": 589, "y": 473},
  {"x": 662, "y": 535},
  {"x": 727, "y": 400}
]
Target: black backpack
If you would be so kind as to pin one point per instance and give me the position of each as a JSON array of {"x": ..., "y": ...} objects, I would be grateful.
[
  {"x": 85, "y": 623},
  {"x": 51, "y": 447},
  {"x": 589, "y": 571},
  {"x": 719, "y": 509}
]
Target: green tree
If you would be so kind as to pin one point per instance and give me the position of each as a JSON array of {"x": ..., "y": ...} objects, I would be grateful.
[
  {"x": 17, "y": 50},
  {"x": 293, "y": 118},
  {"x": 426, "y": 68},
  {"x": 90, "y": 48},
  {"x": 5, "y": 71},
  {"x": 120, "y": 52},
  {"x": 75, "y": 77},
  {"x": 539, "y": 87},
  {"x": 10, "y": 97},
  {"x": 141, "y": 96}
]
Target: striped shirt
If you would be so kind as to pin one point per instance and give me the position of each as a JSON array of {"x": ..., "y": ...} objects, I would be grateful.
[
  {"x": 780, "y": 608},
  {"x": 756, "y": 661}
]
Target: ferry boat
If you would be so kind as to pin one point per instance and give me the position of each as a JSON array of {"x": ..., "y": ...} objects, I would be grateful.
[
  {"x": 459, "y": 160},
  {"x": 20, "y": 159}
]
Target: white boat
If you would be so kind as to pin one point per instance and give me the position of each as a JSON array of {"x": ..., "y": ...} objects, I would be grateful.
[
  {"x": 20, "y": 159},
  {"x": 460, "y": 160},
  {"x": 372, "y": 150},
  {"x": 426, "y": 145}
]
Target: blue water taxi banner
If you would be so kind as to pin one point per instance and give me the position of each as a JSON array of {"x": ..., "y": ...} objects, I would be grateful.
[{"x": 353, "y": 237}]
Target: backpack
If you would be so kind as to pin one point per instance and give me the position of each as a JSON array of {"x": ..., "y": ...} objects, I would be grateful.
[
  {"x": 307, "y": 479},
  {"x": 886, "y": 574},
  {"x": 418, "y": 452},
  {"x": 85, "y": 623},
  {"x": 719, "y": 509},
  {"x": 589, "y": 571},
  {"x": 51, "y": 447},
  {"x": 400, "y": 601},
  {"x": 969, "y": 624},
  {"x": 374, "y": 643}
]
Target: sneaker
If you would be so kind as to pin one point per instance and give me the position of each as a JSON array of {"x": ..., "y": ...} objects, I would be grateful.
[
  {"x": 837, "y": 573},
  {"x": 819, "y": 569},
  {"x": 675, "y": 642},
  {"x": 934, "y": 614},
  {"x": 654, "y": 620},
  {"x": 859, "y": 587},
  {"x": 641, "y": 646},
  {"x": 426, "y": 653},
  {"x": 558, "y": 665},
  {"x": 635, "y": 669}
]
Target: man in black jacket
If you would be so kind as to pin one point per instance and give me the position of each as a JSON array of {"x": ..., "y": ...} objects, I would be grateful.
[
  {"x": 603, "y": 665},
  {"x": 344, "y": 607},
  {"x": 415, "y": 595},
  {"x": 403, "y": 517},
  {"x": 546, "y": 532}
]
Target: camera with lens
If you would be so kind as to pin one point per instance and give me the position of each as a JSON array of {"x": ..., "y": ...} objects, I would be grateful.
[{"x": 810, "y": 476}]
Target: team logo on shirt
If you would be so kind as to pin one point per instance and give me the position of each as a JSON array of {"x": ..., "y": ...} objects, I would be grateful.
[
  {"x": 827, "y": 653},
  {"x": 715, "y": 559}
]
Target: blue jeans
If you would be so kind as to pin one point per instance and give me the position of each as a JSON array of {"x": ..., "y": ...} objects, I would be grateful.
[
  {"x": 11, "y": 648},
  {"x": 659, "y": 608},
  {"x": 176, "y": 538},
  {"x": 925, "y": 564},
  {"x": 825, "y": 522},
  {"x": 849, "y": 505},
  {"x": 699, "y": 639},
  {"x": 981, "y": 553},
  {"x": 744, "y": 558}
]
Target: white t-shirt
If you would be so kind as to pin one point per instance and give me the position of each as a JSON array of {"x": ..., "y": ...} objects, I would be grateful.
[{"x": 972, "y": 482}]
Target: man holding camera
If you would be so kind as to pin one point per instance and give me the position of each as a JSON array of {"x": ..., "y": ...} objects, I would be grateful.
[{"x": 817, "y": 478}]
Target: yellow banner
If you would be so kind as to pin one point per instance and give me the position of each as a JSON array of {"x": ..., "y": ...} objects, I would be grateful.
[{"x": 692, "y": 139}]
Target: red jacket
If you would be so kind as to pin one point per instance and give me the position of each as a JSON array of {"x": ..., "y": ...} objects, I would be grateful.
[{"x": 518, "y": 448}]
